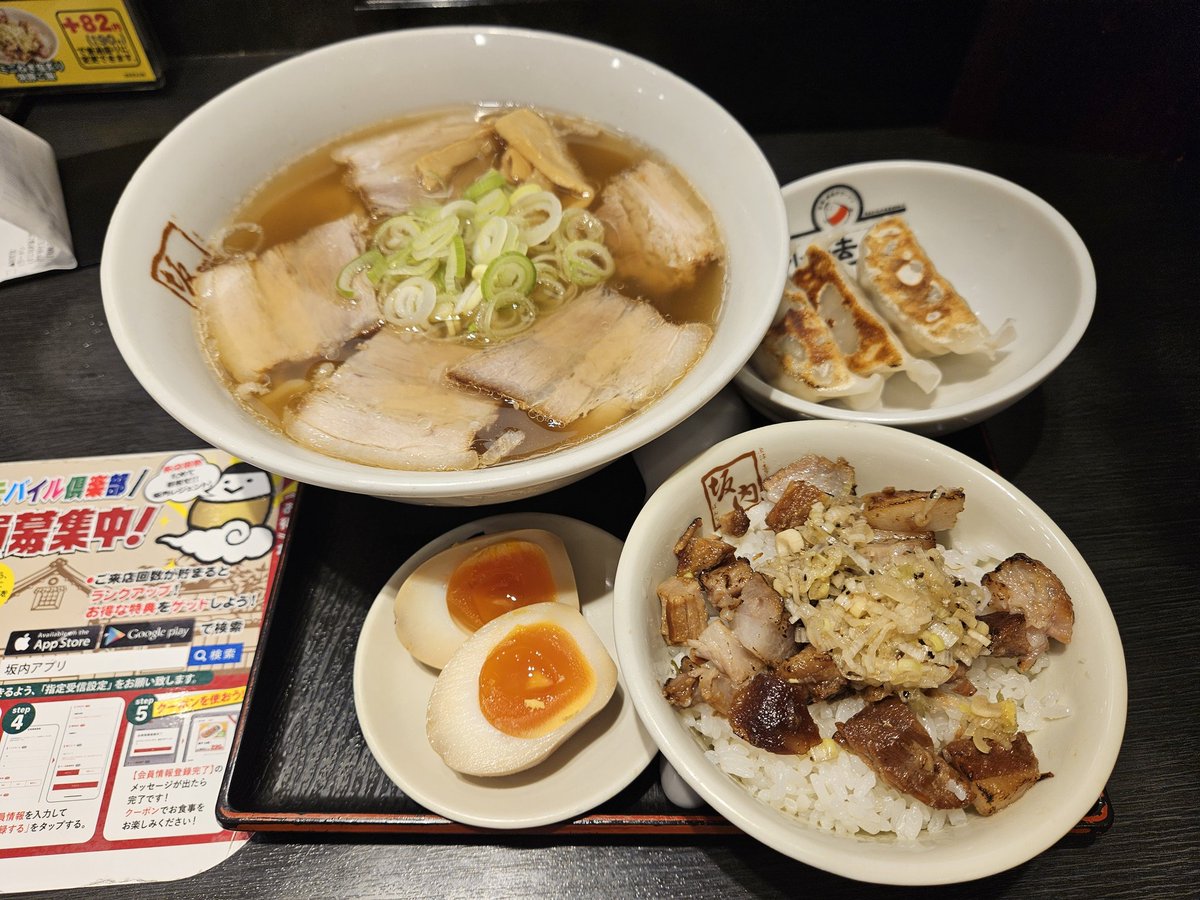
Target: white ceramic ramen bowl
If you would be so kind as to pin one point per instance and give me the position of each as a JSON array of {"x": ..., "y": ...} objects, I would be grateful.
[
  {"x": 1007, "y": 251},
  {"x": 188, "y": 187},
  {"x": 1088, "y": 673}
]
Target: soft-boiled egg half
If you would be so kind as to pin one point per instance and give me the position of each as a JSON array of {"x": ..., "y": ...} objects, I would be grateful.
[
  {"x": 517, "y": 688},
  {"x": 453, "y": 594}
]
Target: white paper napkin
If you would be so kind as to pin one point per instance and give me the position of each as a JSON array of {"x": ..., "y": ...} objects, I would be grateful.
[{"x": 34, "y": 235}]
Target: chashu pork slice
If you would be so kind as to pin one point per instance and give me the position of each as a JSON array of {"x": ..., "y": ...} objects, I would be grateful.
[
  {"x": 660, "y": 233},
  {"x": 601, "y": 349},
  {"x": 384, "y": 168},
  {"x": 390, "y": 405},
  {"x": 282, "y": 306}
]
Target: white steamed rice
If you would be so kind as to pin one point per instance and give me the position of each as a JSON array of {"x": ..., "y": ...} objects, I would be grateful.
[{"x": 842, "y": 794}]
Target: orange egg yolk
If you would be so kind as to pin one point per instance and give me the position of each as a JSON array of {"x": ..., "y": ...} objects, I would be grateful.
[
  {"x": 534, "y": 680},
  {"x": 496, "y": 580}
]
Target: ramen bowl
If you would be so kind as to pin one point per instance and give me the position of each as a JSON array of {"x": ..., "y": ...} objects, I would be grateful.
[
  {"x": 188, "y": 188},
  {"x": 1007, "y": 251},
  {"x": 1086, "y": 676}
]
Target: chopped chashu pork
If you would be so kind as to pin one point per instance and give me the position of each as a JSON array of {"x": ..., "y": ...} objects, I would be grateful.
[
  {"x": 745, "y": 601},
  {"x": 718, "y": 644},
  {"x": 914, "y": 511},
  {"x": 701, "y": 682},
  {"x": 1010, "y": 636},
  {"x": 959, "y": 683},
  {"x": 684, "y": 614},
  {"x": 814, "y": 672},
  {"x": 997, "y": 777},
  {"x": 384, "y": 170},
  {"x": 889, "y": 738},
  {"x": 281, "y": 306},
  {"x": 772, "y": 714},
  {"x": 761, "y": 622},
  {"x": 735, "y": 522},
  {"x": 723, "y": 584},
  {"x": 793, "y": 508},
  {"x": 889, "y": 546},
  {"x": 389, "y": 405},
  {"x": 660, "y": 235},
  {"x": 696, "y": 553},
  {"x": 1025, "y": 585},
  {"x": 601, "y": 350},
  {"x": 834, "y": 477}
]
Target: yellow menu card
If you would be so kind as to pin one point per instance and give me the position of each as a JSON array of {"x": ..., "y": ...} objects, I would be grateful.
[{"x": 72, "y": 44}]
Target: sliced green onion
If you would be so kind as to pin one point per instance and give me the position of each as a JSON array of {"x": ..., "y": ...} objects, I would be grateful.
[
  {"x": 396, "y": 232},
  {"x": 410, "y": 303},
  {"x": 464, "y": 209},
  {"x": 507, "y": 314},
  {"x": 456, "y": 264},
  {"x": 465, "y": 269},
  {"x": 401, "y": 265},
  {"x": 537, "y": 214},
  {"x": 485, "y": 184},
  {"x": 587, "y": 262},
  {"x": 580, "y": 225},
  {"x": 432, "y": 241},
  {"x": 489, "y": 242},
  {"x": 508, "y": 272},
  {"x": 512, "y": 240},
  {"x": 469, "y": 300},
  {"x": 352, "y": 269},
  {"x": 528, "y": 189},
  {"x": 490, "y": 205}
]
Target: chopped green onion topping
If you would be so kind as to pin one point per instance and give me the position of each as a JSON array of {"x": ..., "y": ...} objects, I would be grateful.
[
  {"x": 587, "y": 262},
  {"x": 508, "y": 272},
  {"x": 352, "y": 269},
  {"x": 482, "y": 267},
  {"x": 485, "y": 184}
]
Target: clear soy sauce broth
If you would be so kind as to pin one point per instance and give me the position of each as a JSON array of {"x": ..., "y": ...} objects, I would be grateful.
[{"x": 313, "y": 190}]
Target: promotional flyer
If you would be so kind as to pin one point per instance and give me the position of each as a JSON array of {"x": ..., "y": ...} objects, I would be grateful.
[{"x": 132, "y": 590}]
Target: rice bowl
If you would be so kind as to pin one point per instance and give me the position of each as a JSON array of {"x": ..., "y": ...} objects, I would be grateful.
[{"x": 1079, "y": 748}]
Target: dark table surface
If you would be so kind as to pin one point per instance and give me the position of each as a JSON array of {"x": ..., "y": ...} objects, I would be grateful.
[{"x": 1106, "y": 446}]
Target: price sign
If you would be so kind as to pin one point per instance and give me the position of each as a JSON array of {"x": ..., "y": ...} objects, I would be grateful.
[{"x": 47, "y": 44}]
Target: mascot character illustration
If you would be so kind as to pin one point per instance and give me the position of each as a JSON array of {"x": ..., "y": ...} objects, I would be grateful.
[
  {"x": 243, "y": 492},
  {"x": 227, "y": 522}
]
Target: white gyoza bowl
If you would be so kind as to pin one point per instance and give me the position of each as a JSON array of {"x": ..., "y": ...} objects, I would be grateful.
[
  {"x": 1088, "y": 673},
  {"x": 1007, "y": 251},
  {"x": 188, "y": 187}
]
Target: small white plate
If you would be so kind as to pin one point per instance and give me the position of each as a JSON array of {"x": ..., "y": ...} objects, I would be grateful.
[{"x": 391, "y": 690}]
